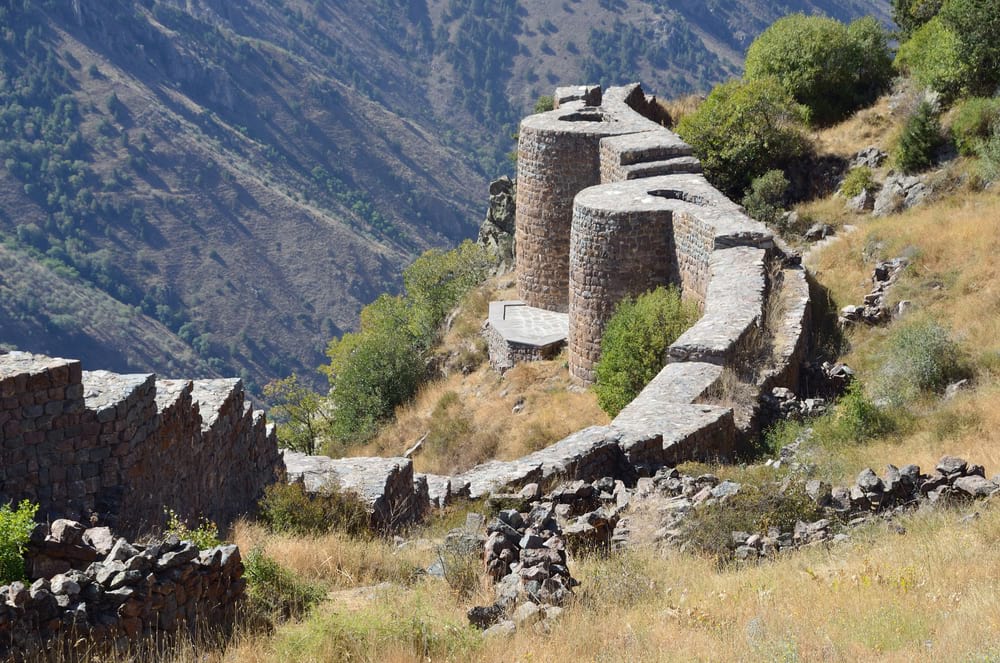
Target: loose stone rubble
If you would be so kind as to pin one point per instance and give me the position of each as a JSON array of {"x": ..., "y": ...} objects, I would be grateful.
[
  {"x": 528, "y": 544},
  {"x": 678, "y": 496},
  {"x": 91, "y": 592},
  {"x": 874, "y": 310}
]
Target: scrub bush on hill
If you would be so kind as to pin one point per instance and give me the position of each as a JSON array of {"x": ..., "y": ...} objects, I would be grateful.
[
  {"x": 376, "y": 369},
  {"x": 744, "y": 129},
  {"x": 829, "y": 67},
  {"x": 635, "y": 342}
]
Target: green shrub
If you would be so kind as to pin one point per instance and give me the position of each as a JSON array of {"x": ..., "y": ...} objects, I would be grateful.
[
  {"x": 856, "y": 419},
  {"x": 744, "y": 129},
  {"x": 16, "y": 526},
  {"x": 287, "y": 508},
  {"x": 977, "y": 25},
  {"x": 205, "y": 535},
  {"x": 544, "y": 103},
  {"x": 754, "y": 509},
  {"x": 380, "y": 367},
  {"x": 971, "y": 122},
  {"x": 988, "y": 152},
  {"x": 857, "y": 180},
  {"x": 920, "y": 140},
  {"x": 824, "y": 64},
  {"x": 919, "y": 357},
  {"x": 911, "y": 14},
  {"x": 765, "y": 199},
  {"x": 931, "y": 57},
  {"x": 635, "y": 342},
  {"x": 274, "y": 592}
]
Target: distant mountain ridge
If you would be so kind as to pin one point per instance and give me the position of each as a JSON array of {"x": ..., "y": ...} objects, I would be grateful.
[{"x": 208, "y": 187}]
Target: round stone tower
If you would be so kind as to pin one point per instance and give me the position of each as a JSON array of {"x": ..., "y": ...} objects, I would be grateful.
[
  {"x": 621, "y": 245},
  {"x": 558, "y": 156}
]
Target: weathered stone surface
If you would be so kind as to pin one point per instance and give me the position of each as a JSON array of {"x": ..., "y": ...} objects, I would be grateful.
[
  {"x": 92, "y": 442},
  {"x": 385, "y": 485},
  {"x": 496, "y": 234}
]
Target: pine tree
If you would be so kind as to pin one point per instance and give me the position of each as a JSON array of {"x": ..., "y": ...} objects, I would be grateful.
[{"x": 921, "y": 138}]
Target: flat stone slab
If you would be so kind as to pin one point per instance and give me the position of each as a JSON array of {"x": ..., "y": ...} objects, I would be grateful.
[
  {"x": 517, "y": 322},
  {"x": 103, "y": 389},
  {"x": 368, "y": 477},
  {"x": 733, "y": 306},
  {"x": 14, "y": 364}
]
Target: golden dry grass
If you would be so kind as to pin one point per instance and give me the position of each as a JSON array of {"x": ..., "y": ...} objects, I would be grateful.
[
  {"x": 868, "y": 126},
  {"x": 929, "y": 594},
  {"x": 468, "y": 419}
]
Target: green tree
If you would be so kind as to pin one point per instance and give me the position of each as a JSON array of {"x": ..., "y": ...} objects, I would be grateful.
[
  {"x": 977, "y": 24},
  {"x": 374, "y": 370},
  {"x": 932, "y": 57},
  {"x": 16, "y": 526},
  {"x": 635, "y": 342},
  {"x": 437, "y": 280},
  {"x": 910, "y": 15},
  {"x": 298, "y": 412},
  {"x": 920, "y": 140},
  {"x": 826, "y": 65},
  {"x": 744, "y": 129}
]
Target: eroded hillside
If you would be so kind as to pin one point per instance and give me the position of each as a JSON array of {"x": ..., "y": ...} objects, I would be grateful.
[{"x": 236, "y": 182}]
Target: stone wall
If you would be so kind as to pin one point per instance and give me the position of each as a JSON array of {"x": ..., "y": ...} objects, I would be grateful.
[
  {"x": 92, "y": 594},
  {"x": 122, "y": 448}
]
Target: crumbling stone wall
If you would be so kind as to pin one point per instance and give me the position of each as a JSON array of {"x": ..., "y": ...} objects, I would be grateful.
[
  {"x": 91, "y": 594},
  {"x": 121, "y": 448}
]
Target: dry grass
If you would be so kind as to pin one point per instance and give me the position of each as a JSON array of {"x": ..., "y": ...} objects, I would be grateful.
[
  {"x": 868, "y": 126},
  {"x": 931, "y": 594},
  {"x": 468, "y": 418},
  {"x": 336, "y": 560},
  {"x": 678, "y": 108}
]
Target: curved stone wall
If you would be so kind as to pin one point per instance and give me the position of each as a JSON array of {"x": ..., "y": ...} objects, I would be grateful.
[{"x": 617, "y": 248}]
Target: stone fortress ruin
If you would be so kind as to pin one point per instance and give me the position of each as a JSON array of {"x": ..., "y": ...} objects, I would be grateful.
[{"x": 609, "y": 204}]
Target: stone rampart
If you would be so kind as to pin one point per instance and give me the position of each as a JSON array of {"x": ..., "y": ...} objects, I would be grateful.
[
  {"x": 642, "y": 216},
  {"x": 122, "y": 448}
]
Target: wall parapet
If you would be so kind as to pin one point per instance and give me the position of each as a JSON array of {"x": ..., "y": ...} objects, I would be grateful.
[{"x": 122, "y": 448}]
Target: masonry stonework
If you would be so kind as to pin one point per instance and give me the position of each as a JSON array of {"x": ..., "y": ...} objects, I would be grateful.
[{"x": 119, "y": 449}]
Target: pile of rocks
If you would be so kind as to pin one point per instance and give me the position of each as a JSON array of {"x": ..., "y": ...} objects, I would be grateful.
[
  {"x": 874, "y": 310},
  {"x": 93, "y": 590},
  {"x": 677, "y": 496},
  {"x": 904, "y": 487},
  {"x": 527, "y": 548},
  {"x": 783, "y": 403}
]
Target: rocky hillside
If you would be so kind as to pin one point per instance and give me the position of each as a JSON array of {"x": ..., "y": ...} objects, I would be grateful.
[{"x": 206, "y": 188}]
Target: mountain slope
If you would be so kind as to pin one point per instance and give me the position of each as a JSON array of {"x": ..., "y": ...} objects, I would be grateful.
[{"x": 244, "y": 177}]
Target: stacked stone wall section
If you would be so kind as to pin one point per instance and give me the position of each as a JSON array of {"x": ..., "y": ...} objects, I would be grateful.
[{"x": 122, "y": 448}]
